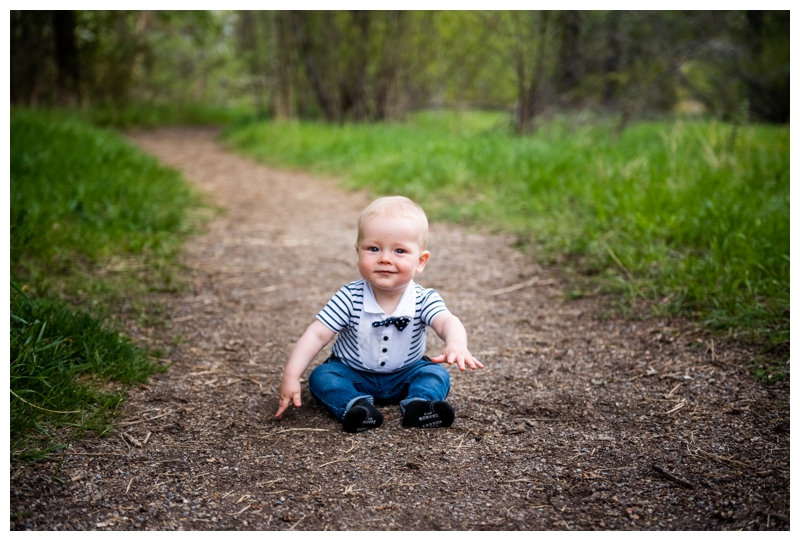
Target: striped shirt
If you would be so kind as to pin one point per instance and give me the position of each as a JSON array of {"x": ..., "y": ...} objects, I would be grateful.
[{"x": 351, "y": 313}]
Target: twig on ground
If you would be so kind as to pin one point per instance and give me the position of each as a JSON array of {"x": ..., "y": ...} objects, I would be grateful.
[
  {"x": 333, "y": 462},
  {"x": 676, "y": 408},
  {"x": 513, "y": 287},
  {"x": 130, "y": 439},
  {"x": 668, "y": 298},
  {"x": 267, "y": 483},
  {"x": 462, "y": 439},
  {"x": 721, "y": 458},
  {"x": 260, "y": 387},
  {"x": 669, "y": 394},
  {"x": 125, "y": 442},
  {"x": 158, "y": 485},
  {"x": 146, "y": 438},
  {"x": 301, "y": 429},
  {"x": 242, "y": 511},
  {"x": 384, "y": 483},
  {"x": 145, "y": 420},
  {"x": 298, "y": 522},
  {"x": 243, "y": 498},
  {"x": 129, "y": 485},
  {"x": 672, "y": 477}
]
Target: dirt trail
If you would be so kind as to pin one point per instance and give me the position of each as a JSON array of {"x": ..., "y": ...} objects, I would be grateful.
[{"x": 564, "y": 429}]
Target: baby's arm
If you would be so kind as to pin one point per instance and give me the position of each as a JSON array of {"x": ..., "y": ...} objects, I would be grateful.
[
  {"x": 450, "y": 329},
  {"x": 313, "y": 340}
]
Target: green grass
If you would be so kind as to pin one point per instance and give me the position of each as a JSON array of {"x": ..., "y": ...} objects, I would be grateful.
[
  {"x": 95, "y": 223},
  {"x": 85, "y": 203},
  {"x": 692, "y": 216},
  {"x": 153, "y": 115},
  {"x": 62, "y": 363},
  {"x": 144, "y": 115}
]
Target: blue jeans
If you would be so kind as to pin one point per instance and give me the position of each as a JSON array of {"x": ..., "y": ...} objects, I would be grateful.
[{"x": 338, "y": 387}]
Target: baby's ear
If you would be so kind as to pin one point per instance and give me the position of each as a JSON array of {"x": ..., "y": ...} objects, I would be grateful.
[{"x": 423, "y": 260}]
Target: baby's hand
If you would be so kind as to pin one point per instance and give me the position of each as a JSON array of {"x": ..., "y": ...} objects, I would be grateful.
[
  {"x": 459, "y": 355},
  {"x": 289, "y": 392}
]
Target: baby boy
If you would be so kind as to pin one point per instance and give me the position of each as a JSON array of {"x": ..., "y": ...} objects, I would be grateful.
[{"x": 379, "y": 354}]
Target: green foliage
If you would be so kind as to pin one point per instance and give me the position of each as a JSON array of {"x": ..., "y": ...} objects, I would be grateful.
[
  {"x": 694, "y": 214},
  {"x": 143, "y": 115},
  {"x": 92, "y": 219},
  {"x": 61, "y": 360},
  {"x": 80, "y": 195},
  {"x": 371, "y": 65}
]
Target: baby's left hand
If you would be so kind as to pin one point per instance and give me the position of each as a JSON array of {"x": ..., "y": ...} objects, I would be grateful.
[{"x": 459, "y": 355}]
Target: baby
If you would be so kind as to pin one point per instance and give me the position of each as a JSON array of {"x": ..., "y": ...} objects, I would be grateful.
[{"x": 379, "y": 355}]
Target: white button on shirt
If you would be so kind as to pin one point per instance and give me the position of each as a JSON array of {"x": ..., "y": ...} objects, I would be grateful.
[{"x": 385, "y": 348}]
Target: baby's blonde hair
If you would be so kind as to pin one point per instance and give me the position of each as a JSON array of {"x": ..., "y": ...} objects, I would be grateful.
[{"x": 395, "y": 206}]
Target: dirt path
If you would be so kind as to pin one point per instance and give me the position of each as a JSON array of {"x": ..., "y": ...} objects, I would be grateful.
[{"x": 564, "y": 429}]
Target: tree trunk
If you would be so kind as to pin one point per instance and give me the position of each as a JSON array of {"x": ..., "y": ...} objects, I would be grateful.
[
  {"x": 390, "y": 63},
  {"x": 353, "y": 78},
  {"x": 529, "y": 100},
  {"x": 66, "y": 57},
  {"x": 611, "y": 64},
  {"x": 29, "y": 53},
  {"x": 569, "y": 54},
  {"x": 300, "y": 25},
  {"x": 284, "y": 73}
]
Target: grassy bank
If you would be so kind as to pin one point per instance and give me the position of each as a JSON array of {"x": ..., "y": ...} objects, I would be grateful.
[
  {"x": 93, "y": 221},
  {"x": 149, "y": 115},
  {"x": 692, "y": 216}
]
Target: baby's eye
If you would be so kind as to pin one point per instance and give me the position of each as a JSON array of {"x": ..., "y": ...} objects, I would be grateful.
[
  {"x": 373, "y": 249},
  {"x": 400, "y": 251}
]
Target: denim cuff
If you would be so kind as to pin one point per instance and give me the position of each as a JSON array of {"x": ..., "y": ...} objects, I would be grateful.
[
  {"x": 356, "y": 399},
  {"x": 407, "y": 401}
]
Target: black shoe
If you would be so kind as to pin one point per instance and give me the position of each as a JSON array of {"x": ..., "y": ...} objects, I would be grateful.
[
  {"x": 429, "y": 414},
  {"x": 362, "y": 416}
]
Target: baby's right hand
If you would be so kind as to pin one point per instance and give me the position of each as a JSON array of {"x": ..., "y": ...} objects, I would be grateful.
[{"x": 289, "y": 392}]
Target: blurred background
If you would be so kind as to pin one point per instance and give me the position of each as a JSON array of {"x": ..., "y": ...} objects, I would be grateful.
[{"x": 368, "y": 66}]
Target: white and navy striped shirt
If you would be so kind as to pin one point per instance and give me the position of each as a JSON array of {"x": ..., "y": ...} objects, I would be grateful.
[{"x": 351, "y": 313}]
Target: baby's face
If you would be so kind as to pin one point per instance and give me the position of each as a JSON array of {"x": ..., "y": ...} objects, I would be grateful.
[{"x": 389, "y": 254}]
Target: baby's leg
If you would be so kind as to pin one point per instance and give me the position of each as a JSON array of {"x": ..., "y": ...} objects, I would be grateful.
[
  {"x": 337, "y": 386},
  {"x": 424, "y": 407}
]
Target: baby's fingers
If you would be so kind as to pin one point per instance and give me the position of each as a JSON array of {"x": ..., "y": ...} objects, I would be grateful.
[
  {"x": 474, "y": 363},
  {"x": 438, "y": 359},
  {"x": 284, "y": 403}
]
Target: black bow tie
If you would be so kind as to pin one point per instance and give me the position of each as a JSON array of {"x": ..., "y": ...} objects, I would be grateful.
[{"x": 399, "y": 322}]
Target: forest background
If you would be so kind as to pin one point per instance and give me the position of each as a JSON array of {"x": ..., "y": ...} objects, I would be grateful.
[{"x": 646, "y": 152}]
